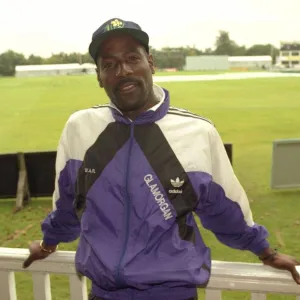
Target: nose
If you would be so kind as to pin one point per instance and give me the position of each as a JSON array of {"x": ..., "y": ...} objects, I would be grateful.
[{"x": 123, "y": 70}]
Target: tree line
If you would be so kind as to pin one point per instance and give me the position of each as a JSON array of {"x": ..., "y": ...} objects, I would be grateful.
[{"x": 166, "y": 57}]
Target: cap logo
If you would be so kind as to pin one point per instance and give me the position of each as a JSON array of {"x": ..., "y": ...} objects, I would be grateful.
[{"x": 115, "y": 24}]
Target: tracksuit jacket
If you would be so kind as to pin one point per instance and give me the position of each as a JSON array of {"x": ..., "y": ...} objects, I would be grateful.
[{"x": 130, "y": 190}]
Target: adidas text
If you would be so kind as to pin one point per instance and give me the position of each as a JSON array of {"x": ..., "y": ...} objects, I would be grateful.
[{"x": 175, "y": 191}]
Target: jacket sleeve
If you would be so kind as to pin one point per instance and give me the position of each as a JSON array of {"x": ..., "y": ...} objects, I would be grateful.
[
  {"x": 223, "y": 206},
  {"x": 62, "y": 224}
]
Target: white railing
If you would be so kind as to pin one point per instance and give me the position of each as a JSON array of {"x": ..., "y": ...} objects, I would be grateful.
[{"x": 255, "y": 278}]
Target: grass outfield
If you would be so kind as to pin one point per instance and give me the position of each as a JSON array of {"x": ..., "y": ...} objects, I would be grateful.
[
  {"x": 163, "y": 73},
  {"x": 248, "y": 113}
]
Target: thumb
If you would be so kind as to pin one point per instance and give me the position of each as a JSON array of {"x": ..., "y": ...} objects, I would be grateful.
[
  {"x": 295, "y": 274},
  {"x": 30, "y": 259}
]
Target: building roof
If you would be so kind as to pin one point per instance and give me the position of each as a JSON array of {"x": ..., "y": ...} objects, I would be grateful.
[
  {"x": 249, "y": 58},
  {"x": 56, "y": 67},
  {"x": 88, "y": 66}
]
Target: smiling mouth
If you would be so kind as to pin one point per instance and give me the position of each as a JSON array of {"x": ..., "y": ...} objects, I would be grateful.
[{"x": 127, "y": 87}]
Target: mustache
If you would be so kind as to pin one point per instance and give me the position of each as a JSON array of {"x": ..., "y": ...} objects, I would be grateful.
[{"x": 126, "y": 80}]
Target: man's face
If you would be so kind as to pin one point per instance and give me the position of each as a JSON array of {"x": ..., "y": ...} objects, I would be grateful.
[{"x": 124, "y": 70}]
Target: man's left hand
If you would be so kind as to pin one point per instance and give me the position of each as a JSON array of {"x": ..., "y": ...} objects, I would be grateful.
[{"x": 284, "y": 262}]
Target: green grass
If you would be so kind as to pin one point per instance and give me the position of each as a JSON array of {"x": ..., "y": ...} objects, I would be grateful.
[
  {"x": 248, "y": 113},
  {"x": 163, "y": 73}
]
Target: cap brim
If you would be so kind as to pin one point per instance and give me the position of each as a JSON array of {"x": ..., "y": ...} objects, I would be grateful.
[{"x": 137, "y": 34}]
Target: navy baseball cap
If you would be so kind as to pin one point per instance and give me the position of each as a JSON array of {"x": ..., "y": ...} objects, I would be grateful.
[{"x": 117, "y": 25}]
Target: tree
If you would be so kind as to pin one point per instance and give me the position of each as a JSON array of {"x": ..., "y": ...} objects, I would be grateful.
[
  {"x": 240, "y": 51},
  {"x": 86, "y": 58},
  {"x": 34, "y": 60},
  {"x": 208, "y": 51},
  {"x": 258, "y": 49},
  {"x": 9, "y": 60},
  {"x": 73, "y": 58},
  {"x": 57, "y": 58},
  {"x": 263, "y": 49},
  {"x": 167, "y": 57},
  {"x": 224, "y": 45}
]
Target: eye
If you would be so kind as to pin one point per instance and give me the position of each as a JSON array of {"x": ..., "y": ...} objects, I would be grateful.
[
  {"x": 107, "y": 65},
  {"x": 133, "y": 58}
]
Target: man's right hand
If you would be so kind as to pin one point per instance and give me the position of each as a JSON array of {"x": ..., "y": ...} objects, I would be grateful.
[{"x": 37, "y": 253}]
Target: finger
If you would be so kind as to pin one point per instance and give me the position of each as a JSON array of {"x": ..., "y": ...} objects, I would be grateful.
[
  {"x": 296, "y": 275},
  {"x": 28, "y": 261}
]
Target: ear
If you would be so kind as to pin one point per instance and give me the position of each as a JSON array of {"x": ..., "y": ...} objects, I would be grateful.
[
  {"x": 151, "y": 63},
  {"x": 98, "y": 78}
]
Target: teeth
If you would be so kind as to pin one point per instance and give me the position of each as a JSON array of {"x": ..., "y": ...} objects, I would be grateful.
[{"x": 126, "y": 87}]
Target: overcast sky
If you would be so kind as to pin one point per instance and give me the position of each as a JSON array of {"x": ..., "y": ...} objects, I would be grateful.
[{"x": 44, "y": 27}]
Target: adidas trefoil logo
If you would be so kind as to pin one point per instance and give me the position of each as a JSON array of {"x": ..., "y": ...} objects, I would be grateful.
[{"x": 177, "y": 183}]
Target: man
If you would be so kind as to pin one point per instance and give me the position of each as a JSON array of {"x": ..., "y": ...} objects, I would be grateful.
[{"x": 129, "y": 177}]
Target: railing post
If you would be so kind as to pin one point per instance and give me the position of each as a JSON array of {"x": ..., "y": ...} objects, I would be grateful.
[
  {"x": 7, "y": 286},
  {"x": 78, "y": 289},
  {"x": 41, "y": 286},
  {"x": 258, "y": 296},
  {"x": 213, "y": 294}
]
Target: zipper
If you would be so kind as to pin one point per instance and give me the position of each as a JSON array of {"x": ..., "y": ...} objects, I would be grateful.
[{"x": 119, "y": 280}]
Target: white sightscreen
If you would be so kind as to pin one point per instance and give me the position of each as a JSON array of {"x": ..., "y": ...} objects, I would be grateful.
[{"x": 286, "y": 164}]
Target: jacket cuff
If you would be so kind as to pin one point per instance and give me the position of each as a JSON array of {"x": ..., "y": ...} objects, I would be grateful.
[
  {"x": 259, "y": 248},
  {"x": 50, "y": 242}
]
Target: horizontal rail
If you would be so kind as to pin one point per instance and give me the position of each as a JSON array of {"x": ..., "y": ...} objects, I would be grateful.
[{"x": 239, "y": 276}]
